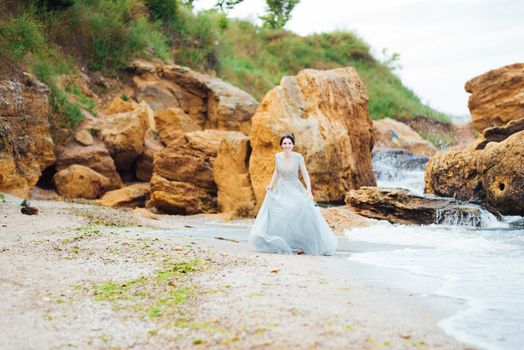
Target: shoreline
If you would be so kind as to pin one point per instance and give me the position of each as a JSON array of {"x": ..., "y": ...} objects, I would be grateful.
[{"x": 58, "y": 268}]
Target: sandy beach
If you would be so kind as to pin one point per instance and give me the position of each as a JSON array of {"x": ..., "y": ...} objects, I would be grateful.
[{"x": 90, "y": 277}]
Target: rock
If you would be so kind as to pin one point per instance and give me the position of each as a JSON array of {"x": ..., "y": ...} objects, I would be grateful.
[
  {"x": 186, "y": 165},
  {"x": 390, "y": 133},
  {"x": 209, "y": 102},
  {"x": 26, "y": 146},
  {"x": 131, "y": 196},
  {"x": 501, "y": 166},
  {"x": 208, "y": 141},
  {"x": 123, "y": 135},
  {"x": 327, "y": 112},
  {"x": 143, "y": 66},
  {"x": 146, "y": 213},
  {"x": 173, "y": 123},
  {"x": 175, "y": 197},
  {"x": 496, "y": 96},
  {"x": 95, "y": 157},
  {"x": 120, "y": 106},
  {"x": 78, "y": 181},
  {"x": 343, "y": 218},
  {"x": 454, "y": 173},
  {"x": 161, "y": 94},
  {"x": 231, "y": 174},
  {"x": 228, "y": 107},
  {"x": 182, "y": 181},
  {"x": 84, "y": 138},
  {"x": 500, "y": 133},
  {"x": 27, "y": 209},
  {"x": 403, "y": 207},
  {"x": 144, "y": 163},
  {"x": 486, "y": 171},
  {"x": 149, "y": 116}
]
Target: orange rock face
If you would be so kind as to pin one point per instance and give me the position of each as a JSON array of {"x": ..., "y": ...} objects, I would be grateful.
[
  {"x": 327, "y": 112},
  {"x": 209, "y": 102},
  {"x": 78, "y": 181},
  {"x": 496, "y": 96},
  {"x": 182, "y": 181},
  {"x": 123, "y": 135},
  {"x": 120, "y": 106},
  {"x": 130, "y": 196},
  {"x": 502, "y": 167},
  {"x": 453, "y": 173},
  {"x": 144, "y": 163},
  {"x": 390, "y": 133},
  {"x": 95, "y": 157},
  {"x": 173, "y": 123},
  {"x": 26, "y": 147},
  {"x": 488, "y": 171},
  {"x": 231, "y": 174}
]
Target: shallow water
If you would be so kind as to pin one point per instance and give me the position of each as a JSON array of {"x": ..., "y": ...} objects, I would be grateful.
[{"x": 481, "y": 266}]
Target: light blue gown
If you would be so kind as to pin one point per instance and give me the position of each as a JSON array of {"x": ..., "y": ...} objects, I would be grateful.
[{"x": 288, "y": 218}]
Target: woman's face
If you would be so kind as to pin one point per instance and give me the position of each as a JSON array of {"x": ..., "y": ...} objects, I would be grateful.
[{"x": 287, "y": 145}]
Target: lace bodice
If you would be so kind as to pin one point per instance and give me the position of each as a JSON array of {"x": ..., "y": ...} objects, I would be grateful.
[{"x": 288, "y": 168}]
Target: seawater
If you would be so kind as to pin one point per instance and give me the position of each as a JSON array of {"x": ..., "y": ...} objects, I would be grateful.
[{"x": 483, "y": 267}]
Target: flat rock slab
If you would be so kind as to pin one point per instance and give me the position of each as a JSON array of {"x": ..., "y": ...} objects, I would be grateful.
[{"x": 401, "y": 206}]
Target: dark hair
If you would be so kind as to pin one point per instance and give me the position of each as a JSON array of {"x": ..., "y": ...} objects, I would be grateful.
[{"x": 287, "y": 136}]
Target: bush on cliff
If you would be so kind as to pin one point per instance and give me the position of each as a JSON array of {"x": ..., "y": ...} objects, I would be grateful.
[{"x": 54, "y": 36}]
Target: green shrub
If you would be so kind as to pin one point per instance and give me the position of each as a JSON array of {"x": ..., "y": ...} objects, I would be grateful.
[
  {"x": 112, "y": 32},
  {"x": 166, "y": 11},
  {"x": 22, "y": 35},
  {"x": 106, "y": 35}
]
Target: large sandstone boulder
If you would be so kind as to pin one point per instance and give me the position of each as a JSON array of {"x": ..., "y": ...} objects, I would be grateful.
[
  {"x": 497, "y": 96},
  {"x": 182, "y": 181},
  {"x": 488, "y": 171},
  {"x": 390, "y": 133},
  {"x": 454, "y": 173},
  {"x": 131, "y": 196},
  {"x": 502, "y": 168},
  {"x": 208, "y": 141},
  {"x": 26, "y": 147},
  {"x": 120, "y": 106},
  {"x": 209, "y": 102},
  {"x": 403, "y": 207},
  {"x": 327, "y": 112},
  {"x": 78, "y": 181},
  {"x": 231, "y": 174},
  {"x": 173, "y": 123},
  {"x": 144, "y": 163},
  {"x": 176, "y": 197},
  {"x": 123, "y": 135},
  {"x": 96, "y": 157}
]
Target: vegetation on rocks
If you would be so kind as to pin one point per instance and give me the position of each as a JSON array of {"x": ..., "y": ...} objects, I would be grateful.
[{"x": 55, "y": 37}]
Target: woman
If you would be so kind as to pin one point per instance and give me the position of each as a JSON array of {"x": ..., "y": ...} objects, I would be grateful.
[{"x": 288, "y": 221}]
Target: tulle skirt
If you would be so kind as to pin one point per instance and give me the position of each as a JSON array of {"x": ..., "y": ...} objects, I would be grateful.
[{"x": 288, "y": 219}]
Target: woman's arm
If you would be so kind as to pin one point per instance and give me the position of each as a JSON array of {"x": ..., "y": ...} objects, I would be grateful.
[
  {"x": 274, "y": 178},
  {"x": 305, "y": 174}
]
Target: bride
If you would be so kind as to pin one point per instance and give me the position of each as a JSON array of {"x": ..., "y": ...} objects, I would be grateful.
[{"x": 288, "y": 221}]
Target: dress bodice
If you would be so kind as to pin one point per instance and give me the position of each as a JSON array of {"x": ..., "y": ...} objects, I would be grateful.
[{"x": 287, "y": 168}]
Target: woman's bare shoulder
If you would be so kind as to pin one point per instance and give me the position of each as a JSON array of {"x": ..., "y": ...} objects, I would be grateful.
[{"x": 299, "y": 155}]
